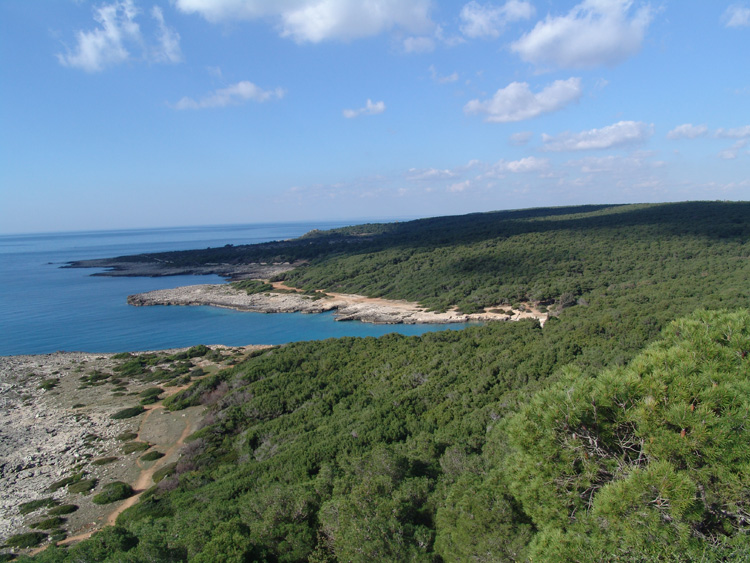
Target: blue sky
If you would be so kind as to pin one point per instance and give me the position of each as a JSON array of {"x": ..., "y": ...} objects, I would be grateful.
[{"x": 135, "y": 113}]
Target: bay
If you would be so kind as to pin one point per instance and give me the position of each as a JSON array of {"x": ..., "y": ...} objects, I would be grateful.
[{"x": 45, "y": 308}]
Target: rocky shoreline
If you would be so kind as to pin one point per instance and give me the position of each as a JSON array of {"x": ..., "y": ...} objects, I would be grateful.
[{"x": 348, "y": 307}]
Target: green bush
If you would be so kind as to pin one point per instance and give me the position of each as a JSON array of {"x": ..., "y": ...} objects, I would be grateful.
[
  {"x": 65, "y": 482},
  {"x": 152, "y": 456},
  {"x": 163, "y": 472},
  {"x": 23, "y": 541},
  {"x": 48, "y": 384},
  {"x": 83, "y": 486},
  {"x": 105, "y": 460},
  {"x": 49, "y": 523},
  {"x": 28, "y": 507},
  {"x": 130, "y": 447},
  {"x": 150, "y": 400},
  {"x": 126, "y": 436},
  {"x": 62, "y": 509},
  {"x": 128, "y": 413},
  {"x": 113, "y": 492}
]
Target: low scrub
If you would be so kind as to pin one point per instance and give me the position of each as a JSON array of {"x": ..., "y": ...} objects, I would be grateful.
[
  {"x": 130, "y": 447},
  {"x": 165, "y": 471},
  {"x": 152, "y": 456},
  {"x": 83, "y": 486},
  {"x": 62, "y": 509},
  {"x": 127, "y": 436},
  {"x": 128, "y": 413},
  {"x": 113, "y": 492},
  {"x": 29, "y": 539},
  {"x": 49, "y": 523},
  {"x": 105, "y": 460},
  {"x": 29, "y": 507}
]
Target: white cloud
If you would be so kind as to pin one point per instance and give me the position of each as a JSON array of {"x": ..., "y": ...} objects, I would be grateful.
[
  {"x": 442, "y": 79},
  {"x": 528, "y": 164},
  {"x": 117, "y": 35},
  {"x": 169, "y": 40},
  {"x": 733, "y": 151},
  {"x": 516, "y": 101},
  {"x": 736, "y": 133},
  {"x": 417, "y": 175},
  {"x": 105, "y": 45},
  {"x": 619, "y": 134},
  {"x": 419, "y": 45},
  {"x": 687, "y": 131},
  {"x": 320, "y": 20},
  {"x": 233, "y": 95},
  {"x": 736, "y": 15},
  {"x": 459, "y": 186},
  {"x": 488, "y": 21},
  {"x": 369, "y": 109},
  {"x": 593, "y": 33},
  {"x": 521, "y": 138}
]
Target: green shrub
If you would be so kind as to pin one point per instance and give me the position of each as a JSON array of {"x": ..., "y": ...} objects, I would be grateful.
[
  {"x": 65, "y": 482},
  {"x": 130, "y": 447},
  {"x": 105, "y": 460},
  {"x": 165, "y": 471},
  {"x": 28, "y": 507},
  {"x": 150, "y": 400},
  {"x": 23, "y": 541},
  {"x": 83, "y": 486},
  {"x": 152, "y": 456},
  {"x": 151, "y": 392},
  {"x": 113, "y": 492},
  {"x": 62, "y": 509},
  {"x": 48, "y": 384},
  {"x": 126, "y": 436},
  {"x": 128, "y": 413},
  {"x": 78, "y": 405},
  {"x": 58, "y": 535},
  {"x": 49, "y": 523}
]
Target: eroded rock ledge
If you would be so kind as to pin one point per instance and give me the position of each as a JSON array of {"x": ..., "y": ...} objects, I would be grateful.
[{"x": 348, "y": 307}]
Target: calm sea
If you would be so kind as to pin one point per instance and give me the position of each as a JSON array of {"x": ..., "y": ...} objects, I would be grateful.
[{"x": 45, "y": 308}]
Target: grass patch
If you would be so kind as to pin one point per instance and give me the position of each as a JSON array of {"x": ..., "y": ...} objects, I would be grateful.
[
  {"x": 130, "y": 447},
  {"x": 152, "y": 456},
  {"x": 29, "y": 539},
  {"x": 62, "y": 509},
  {"x": 150, "y": 400},
  {"x": 128, "y": 413},
  {"x": 151, "y": 392},
  {"x": 28, "y": 507},
  {"x": 105, "y": 460},
  {"x": 127, "y": 436},
  {"x": 49, "y": 523},
  {"x": 113, "y": 492},
  {"x": 48, "y": 384},
  {"x": 66, "y": 482}
]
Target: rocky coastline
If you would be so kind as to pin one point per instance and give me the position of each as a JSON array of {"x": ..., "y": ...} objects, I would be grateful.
[{"x": 347, "y": 307}]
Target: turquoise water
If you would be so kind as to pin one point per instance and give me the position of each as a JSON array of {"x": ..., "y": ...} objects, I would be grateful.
[{"x": 45, "y": 308}]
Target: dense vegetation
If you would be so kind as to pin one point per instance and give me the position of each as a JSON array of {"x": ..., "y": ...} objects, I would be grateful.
[{"x": 609, "y": 434}]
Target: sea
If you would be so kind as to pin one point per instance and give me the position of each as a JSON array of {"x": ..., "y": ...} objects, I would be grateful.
[{"x": 46, "y": 308}]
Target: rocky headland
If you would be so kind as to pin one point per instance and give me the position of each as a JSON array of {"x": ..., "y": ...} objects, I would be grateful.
[{"x": 348, "y": 307}]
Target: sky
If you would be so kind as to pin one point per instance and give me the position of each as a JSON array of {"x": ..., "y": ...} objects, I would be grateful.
[{"x": 158, "y": 113}]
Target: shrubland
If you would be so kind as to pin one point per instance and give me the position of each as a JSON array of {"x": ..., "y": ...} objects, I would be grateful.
[{"x": 618, "y": 431}]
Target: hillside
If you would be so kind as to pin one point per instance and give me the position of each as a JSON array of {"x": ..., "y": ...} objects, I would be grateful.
[{"x": 614, "y": 433}]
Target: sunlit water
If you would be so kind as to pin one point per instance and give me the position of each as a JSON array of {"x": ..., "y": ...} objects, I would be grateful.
[{"x": 45, "y": 308}]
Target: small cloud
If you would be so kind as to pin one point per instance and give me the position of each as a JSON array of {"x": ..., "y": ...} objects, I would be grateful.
[
  {"x": 106, "y": 45},
  {"x": 517, "y": 102},
  {"x": 521, "y": 138},
  {"x": 369, "y": 109},
  {"x": 593, "y": 33},
  {"x": 528, "y": 164},
  {"x": 459, "y": 186},
  {"x": 169, "y": 40},
  {"x": 117, "y": 36},
  {"x": 419, "y": 45},
  {"x": 736, "y": 133},
  {"x": 233, "y": 95},
  {"x": 442, "y": 79},
  {"x": 619, "y": 134},
  {"x": 736, "y": 15},
  {"x": 488, "y": 21},
  {"x": 687, "y": 131},
  {"x": 734, "y": 151},
  {"x": 417, "y": 175}
]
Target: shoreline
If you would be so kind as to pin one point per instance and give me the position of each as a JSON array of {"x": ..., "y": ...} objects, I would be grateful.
[{"x": 347, "y": 307}]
